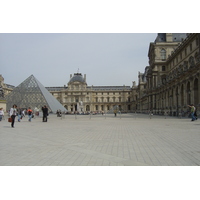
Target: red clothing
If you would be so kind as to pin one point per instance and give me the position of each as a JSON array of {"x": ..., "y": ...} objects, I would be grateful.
[{"x": 29, "y": 111}]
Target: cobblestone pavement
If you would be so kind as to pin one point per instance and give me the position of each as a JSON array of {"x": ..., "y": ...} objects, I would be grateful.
[{"x": 129, "y": 140}]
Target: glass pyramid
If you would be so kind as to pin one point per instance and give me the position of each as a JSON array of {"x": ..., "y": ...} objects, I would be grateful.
[{"x": 31, "y": 93}]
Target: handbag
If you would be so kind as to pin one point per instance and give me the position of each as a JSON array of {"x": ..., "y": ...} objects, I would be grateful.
[{"x": 9, "y": 119}]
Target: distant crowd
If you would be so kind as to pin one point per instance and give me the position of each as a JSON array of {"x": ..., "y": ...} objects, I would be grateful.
[{"x": 20, "y": 113}]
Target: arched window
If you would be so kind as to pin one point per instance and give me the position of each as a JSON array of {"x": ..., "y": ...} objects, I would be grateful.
[{"x": 163, "y": 54}]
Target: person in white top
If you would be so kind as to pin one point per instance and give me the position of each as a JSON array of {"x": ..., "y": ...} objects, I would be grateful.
[
  {"x": 13, "y": 113},
  {"x": 1, "y": 113}
]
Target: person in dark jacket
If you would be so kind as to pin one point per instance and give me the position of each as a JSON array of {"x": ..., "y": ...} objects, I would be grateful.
[{"x": 45, "y": 113}]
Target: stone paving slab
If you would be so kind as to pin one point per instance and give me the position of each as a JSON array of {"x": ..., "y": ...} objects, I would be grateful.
[{"x": 83, "y": 140}]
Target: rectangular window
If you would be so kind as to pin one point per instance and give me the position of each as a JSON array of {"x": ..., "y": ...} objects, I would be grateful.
[
  {"x": 163, "y": 68},
  {"x": 163, "y": 54}
]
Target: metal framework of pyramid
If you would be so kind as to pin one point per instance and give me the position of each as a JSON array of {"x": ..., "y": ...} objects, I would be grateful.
[{"x": 31, "y": 93}]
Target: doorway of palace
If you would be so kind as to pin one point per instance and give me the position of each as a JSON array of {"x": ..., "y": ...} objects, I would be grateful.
[{"x": 87, "y": 108}]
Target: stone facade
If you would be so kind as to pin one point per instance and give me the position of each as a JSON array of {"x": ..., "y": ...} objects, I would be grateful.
[
  {"x": 5, "y": 89},
  {"x": 172, "y": 79},
  {"x": 80, "y": 97}
]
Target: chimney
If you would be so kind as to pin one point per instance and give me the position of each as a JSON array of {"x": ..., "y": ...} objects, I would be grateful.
[
  {"x": 85, "y": 77},
  {"x": 169, "y": 37}
]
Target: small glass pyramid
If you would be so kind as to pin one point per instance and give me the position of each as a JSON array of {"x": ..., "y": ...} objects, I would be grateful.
[{"x": 31, "y": 93}]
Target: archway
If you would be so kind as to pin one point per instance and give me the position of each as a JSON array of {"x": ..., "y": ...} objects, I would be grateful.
[{"x": 87, "y": 108}]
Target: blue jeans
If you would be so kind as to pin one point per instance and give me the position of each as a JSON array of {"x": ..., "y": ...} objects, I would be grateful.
[
  {"x": 19, "y": 118},
  {"x": 29, "y": 118},
  {"x": 193, "y": 117}
]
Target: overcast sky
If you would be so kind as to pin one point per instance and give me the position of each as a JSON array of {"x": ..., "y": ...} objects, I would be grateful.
[{"x": 106, "y": 58}]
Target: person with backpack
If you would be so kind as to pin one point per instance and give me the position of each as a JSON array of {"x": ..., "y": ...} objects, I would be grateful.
[{"x": 30, "y": 113}]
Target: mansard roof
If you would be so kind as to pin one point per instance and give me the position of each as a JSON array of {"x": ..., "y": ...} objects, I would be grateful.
[{"x": 77, "y": 78}]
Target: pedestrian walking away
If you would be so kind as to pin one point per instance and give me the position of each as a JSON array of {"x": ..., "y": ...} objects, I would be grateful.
[
  {"x": 13, "y": 113},
  {"x": 19, "y": 114},
  {"x": 30, "y": 113},
  {"x": 45, "y": 113},
  {"x": 192, "y": 111}
]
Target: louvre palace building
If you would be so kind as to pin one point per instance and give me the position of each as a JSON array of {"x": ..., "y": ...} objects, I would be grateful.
[
  {"x": 168, "y": 85},
  {"x": 172, "y": 80},
  {"x": 80, "y": 97}
]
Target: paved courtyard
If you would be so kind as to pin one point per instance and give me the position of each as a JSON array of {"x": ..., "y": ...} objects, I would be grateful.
[{"x": 129, "y": 140}]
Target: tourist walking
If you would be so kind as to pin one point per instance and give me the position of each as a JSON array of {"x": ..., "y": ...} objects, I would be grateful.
[
  {"x": 30, "y": 113},
  {"x": 13, "y": 113},
  {"x": 45, "y": 113},
  {"x": 192, "y": 111},
  {"x": 1, "y": 113},
  {"x": 19, "y": 114}
]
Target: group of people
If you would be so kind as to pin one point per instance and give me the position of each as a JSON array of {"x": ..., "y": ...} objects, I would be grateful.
[{"x": 14, "y": 111}]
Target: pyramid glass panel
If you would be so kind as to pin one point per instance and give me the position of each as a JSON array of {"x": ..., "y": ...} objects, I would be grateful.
[{"x": 31, "y": 93}]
